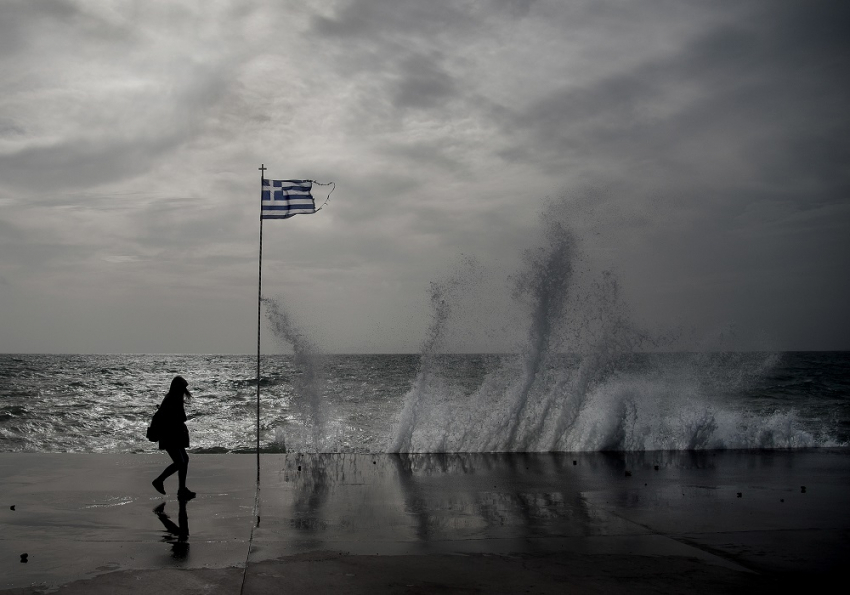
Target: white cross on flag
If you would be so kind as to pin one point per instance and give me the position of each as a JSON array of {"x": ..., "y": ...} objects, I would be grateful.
[{"x": 284, "y": 198}]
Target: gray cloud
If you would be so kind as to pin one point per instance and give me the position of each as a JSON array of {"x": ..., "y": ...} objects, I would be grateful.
[
  {"x": 105, "y": 103},
  {"x": 727, "y": 111},
  {"x": 702, "y": 149},
  {"x": 388, "y": 19},
  {"x": 19, "y": 19},
  {"x": 424, "y": 83}
]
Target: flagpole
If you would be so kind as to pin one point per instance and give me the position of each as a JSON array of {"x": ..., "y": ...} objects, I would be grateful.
[{"x": 262, "y": 169}]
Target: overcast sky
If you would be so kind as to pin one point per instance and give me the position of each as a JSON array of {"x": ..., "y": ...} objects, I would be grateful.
[{"x": 699, "y": 151}]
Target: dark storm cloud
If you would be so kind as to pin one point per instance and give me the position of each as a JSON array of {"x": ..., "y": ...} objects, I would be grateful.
[
  {"x": 8, "y": 128},
  {"x": 754, "y": 110},
  {"x": 423, "y": 83},
  {"x": 386, "y": 39},
  {"x": 713, "y": 137},
  {"x": 98, "y": 106},
  {"x": 392, "y": 19},
  {"x": 516, "y": 8},
  {"x": 107, "y": 150},
  {"x": 78, "y": 163},
  {"x": 370, "y": 19},
  {"x": 735, "y": 147},
  {"x": 18, "y": 18}
]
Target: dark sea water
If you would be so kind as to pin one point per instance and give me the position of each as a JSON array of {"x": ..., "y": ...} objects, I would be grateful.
[
  {"x": 432, "y": 403},
  {"x": 627, "y": 391}
]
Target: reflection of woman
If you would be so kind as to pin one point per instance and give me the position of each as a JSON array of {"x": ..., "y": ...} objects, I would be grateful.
[
  {"x": 178, "y": 534},
  {"x": 174, "y": 436}
]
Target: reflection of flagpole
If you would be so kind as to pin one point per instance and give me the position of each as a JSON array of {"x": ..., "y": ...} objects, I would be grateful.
[{"x": 259, "y": 315}]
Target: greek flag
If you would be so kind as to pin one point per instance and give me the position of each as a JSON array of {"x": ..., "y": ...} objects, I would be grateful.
[{"x": 284, "y": 198}]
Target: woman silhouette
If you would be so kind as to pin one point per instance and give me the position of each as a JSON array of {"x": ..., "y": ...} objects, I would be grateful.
[{"x": 174, "y": 437}]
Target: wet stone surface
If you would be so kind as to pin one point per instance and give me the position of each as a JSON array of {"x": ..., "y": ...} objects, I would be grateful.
[{"x": 82, "y": 517}]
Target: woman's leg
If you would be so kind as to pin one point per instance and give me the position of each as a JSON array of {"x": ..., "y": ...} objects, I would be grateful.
[
  {"x": 169, "y": 471},
  {"x": 181, "y": 459},
  {"x": 183, "y": 468}
]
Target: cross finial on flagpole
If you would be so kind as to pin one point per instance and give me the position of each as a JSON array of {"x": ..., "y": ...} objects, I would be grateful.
[{"x": 262, "y": 169}]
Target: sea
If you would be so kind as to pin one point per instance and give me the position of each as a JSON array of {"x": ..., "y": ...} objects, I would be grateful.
[
  {"x": 581, "y": 374},
  {"x": 432, "y": 402}
]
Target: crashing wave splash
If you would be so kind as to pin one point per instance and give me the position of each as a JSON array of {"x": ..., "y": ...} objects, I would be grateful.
[{"x": 543, "y": 400}]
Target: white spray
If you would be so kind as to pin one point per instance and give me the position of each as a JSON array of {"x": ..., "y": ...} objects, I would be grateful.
[
  {"x": 575, "y": 385},
  {"x": 307, "y": 399},
  {"x": 442, "y": 297}
]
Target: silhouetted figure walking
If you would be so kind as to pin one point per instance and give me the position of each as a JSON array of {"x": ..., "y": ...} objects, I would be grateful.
[{"x": 174, "y": 437}]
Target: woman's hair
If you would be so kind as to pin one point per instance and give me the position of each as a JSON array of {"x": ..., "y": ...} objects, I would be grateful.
[{"x": 178, "y": 388}]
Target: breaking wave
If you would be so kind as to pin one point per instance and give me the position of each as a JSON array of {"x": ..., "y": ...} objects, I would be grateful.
[{"x": 582, "y": 380}]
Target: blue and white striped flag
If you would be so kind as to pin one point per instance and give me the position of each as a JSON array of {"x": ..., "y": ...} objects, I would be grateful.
[{"x": 284, "y": 198}]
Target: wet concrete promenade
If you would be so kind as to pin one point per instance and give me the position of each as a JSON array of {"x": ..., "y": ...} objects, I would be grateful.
[{"x": 497, "y": 523}]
